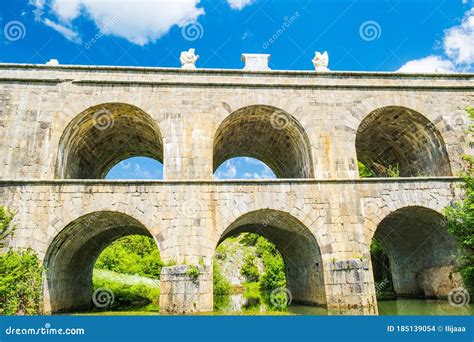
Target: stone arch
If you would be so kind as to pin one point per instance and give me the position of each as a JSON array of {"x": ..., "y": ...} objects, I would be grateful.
[
  {"x": 71, "y": 256},
  {"x": 420, "y": 251},
  {"x": 268, "y": 134},
  {"x": 103, "y": 135},
  {"x": 399, "y": 136},
  {"x": 297, "y": 245}
]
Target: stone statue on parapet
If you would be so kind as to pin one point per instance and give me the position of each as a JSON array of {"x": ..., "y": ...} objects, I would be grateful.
[
  {"x": 188, "y": 59},
  {"x": 321, "y": 61}
]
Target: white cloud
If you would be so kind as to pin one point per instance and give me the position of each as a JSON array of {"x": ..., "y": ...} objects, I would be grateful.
[
  {"x": 66, "y": 32},
  {"x": 459, "y": 40},
  {"x": 458, "y": 49},
  {"x": 264, "y": 173},
  {"x": 430, "y": 64},
  {"x": 252, "y": 161},
  {"x": 140, "y": 22},
  {"x": 239, "y": 4},
  {"x": 226, "y": 170}
]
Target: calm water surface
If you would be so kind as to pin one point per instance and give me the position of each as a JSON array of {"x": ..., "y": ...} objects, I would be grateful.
[{"x": 239, "y": 304}]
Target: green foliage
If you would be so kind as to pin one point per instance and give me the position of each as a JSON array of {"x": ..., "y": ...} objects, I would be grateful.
[
  {"x": 249, "y": 269},
  {"x": 221, "y": 288},
  {"x": 460, "y": 219},
  {"x": 364, "y": 171},
  {"x": 20, "y": 283},
  {"x": 193, "y": 272},
  {"x": 274, "y": 274},
  {"x": 133, "y": 254},
  {"x": 21, "y": 275},
  {"x": 221, "y": 284},
  {"x": 381, "y": 267},
  {"x": 249, "y": 239},
  {"x": 126, "y": 295},
  {"x": 6, "y": 229},
  {"x": 393, "y": 171}
]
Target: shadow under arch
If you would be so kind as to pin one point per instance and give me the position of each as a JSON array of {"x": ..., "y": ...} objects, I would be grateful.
[
  {"x": 421, "y": 252},
  {"x": 399, "y": 136},
  {"x": 296, "y": 244},
  {"x": 268, "y": 134},
  {"x": 71, "y": 256},
  {"x": 103, "y": 135}
]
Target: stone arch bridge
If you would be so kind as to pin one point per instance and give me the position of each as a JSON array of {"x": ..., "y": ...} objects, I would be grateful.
[{"x": 63, "y": 127}]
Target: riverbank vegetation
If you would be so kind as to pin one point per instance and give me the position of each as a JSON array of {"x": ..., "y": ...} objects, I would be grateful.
[
  {"x": 460, "y": 217},
  {"x": 130, "y": 268},
  {"x": 20, "y": 275}
]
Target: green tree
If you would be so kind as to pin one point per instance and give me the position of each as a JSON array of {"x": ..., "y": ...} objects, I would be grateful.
[
  {"x": 274, "y": 274},
  {"x": 133, "y": 254},
  {"x": 460, "y": 218},
  {"x": 221, "y": 284},
  {"x": 20, "y": 275},
  {"x": 6, "y": 228},
  {"x": 20, "y": 283},
  {"x": 249, "y": 269}
]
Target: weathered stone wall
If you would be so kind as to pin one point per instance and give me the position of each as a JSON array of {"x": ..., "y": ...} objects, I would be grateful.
[
  {"x": 181, "y": 292},
  {"x": 72, "y": 122},
  {"x": 188, "y": 219},
  {"x": 39, "y": 102}
]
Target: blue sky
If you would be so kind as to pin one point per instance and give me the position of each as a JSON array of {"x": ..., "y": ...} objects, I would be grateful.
[{"x": 372, "y": 35}]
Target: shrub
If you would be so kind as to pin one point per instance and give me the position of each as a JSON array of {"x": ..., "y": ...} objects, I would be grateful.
[
  {"x": 134, "y": 254},
  {"x": 221, "y": 284},
  {"x": 249, "y": 270},
  {"x": 193, "y": 272},
  {"x": 20, "y": 283},
  {"x": 6, "y": 229},
  {"x": 274, "y": 275},
  {"x": 364, "y": 171},
  {"x": 21, "y": 275},
  {"x": 393, "y": 171},
  {"x": 460, "y": 220}
]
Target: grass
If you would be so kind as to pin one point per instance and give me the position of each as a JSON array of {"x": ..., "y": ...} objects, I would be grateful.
[{"x": 131, "y": 292}]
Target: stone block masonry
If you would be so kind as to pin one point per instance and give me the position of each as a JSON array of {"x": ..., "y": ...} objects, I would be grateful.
[{"x": 63, "y": 127}]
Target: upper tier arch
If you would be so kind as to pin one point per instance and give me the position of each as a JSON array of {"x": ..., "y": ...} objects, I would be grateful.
[
  {"x": 103, "y": 135},
  {"x": 268, "y": 134}
]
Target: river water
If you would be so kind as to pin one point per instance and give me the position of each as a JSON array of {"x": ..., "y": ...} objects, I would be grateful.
[{"x": 239, "y": 304}]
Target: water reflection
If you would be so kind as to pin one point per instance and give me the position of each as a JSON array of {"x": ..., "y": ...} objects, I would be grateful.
[
  {"x": 422, "y": 307},
  {"x": 242, "y": 304}
]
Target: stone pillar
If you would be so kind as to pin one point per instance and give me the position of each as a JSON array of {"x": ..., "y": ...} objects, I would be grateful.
[
  {"x": 350, "y": 287},
  {"x": 186, "y": 289},
  {"x": 187, "y": 148}
]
